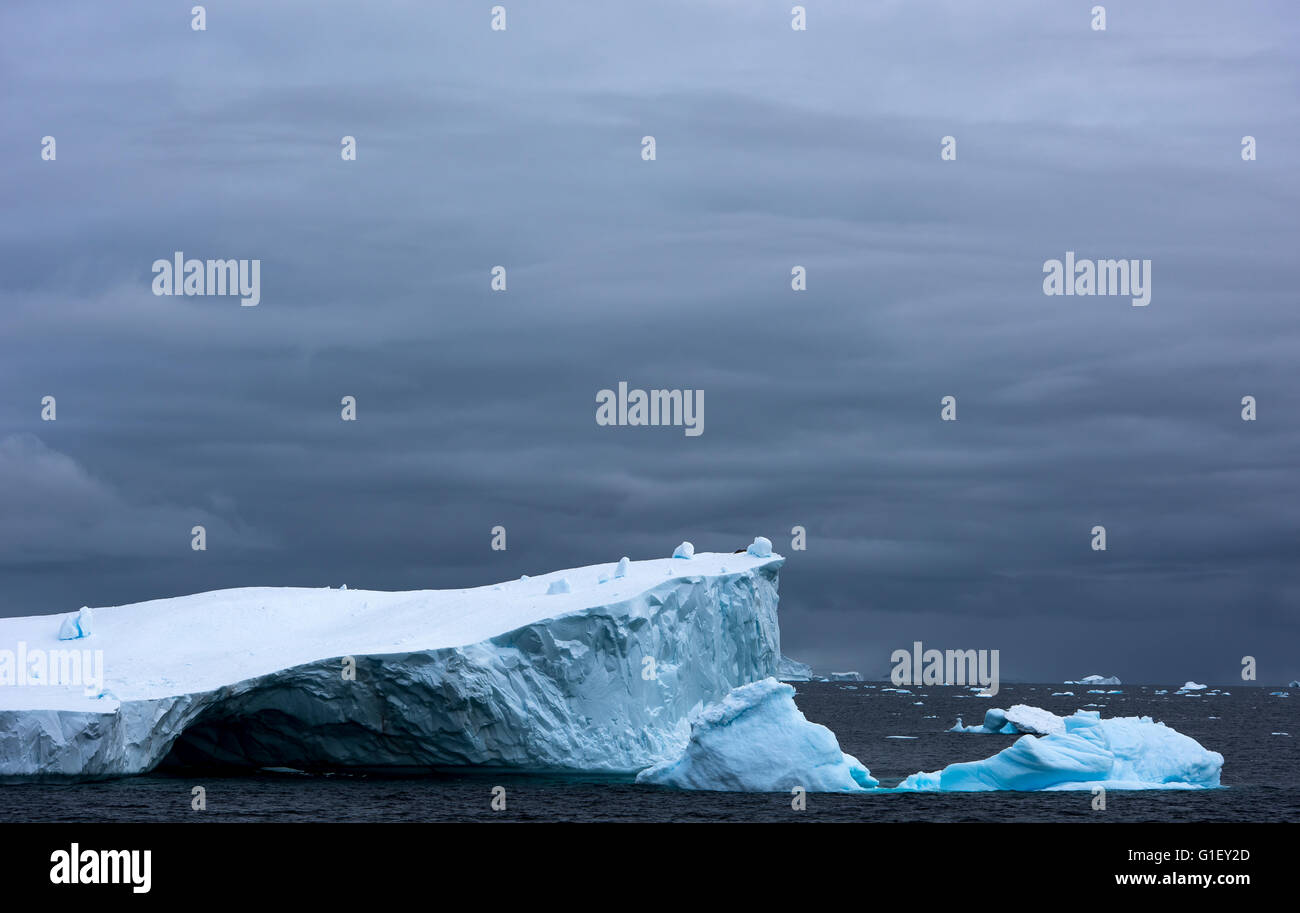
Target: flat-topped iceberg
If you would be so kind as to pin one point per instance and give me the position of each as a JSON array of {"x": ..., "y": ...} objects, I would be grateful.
[
  {"x": 1020, "y": 719},
  {"x": 791, "y": 670},
  {"x": 1097, "y": 680},
  {"x": 559, "y": 671},
  {"x": 1121, "y": 753},
  {"x": 756, "y": 740}
]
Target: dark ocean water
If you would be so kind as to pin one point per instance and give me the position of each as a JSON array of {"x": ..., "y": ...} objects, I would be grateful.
[{"x": 1261, "y": 771}]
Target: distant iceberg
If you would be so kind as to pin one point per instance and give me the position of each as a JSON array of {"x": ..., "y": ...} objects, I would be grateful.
[
  {"x": 791, "y": 670},
  {"x": 756, "y": 740},
  {"x": 1193, "y": 686},
  {"x": 1096, "y": 680},
  {"x": 1121, "y": 753}
]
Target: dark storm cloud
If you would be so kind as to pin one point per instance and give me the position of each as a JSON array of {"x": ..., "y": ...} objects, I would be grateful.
[{"x": 821, "y": 409}]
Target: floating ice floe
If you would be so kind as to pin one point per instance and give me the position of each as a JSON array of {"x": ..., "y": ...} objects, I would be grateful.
[
  {"x": 1192, "y": 686},
  {"x": 1096, "y": 680},
  {"x": 756, "y": 740}
]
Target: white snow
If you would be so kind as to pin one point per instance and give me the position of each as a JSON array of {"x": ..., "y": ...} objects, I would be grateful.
[
  {"x": 1120, "y": 753},
  {"x": 1034, "y": 720},
  {"x": 1020, "y": 719},
  {"x": 500, "y": 674},
  {"x": 756, "y": 740}
]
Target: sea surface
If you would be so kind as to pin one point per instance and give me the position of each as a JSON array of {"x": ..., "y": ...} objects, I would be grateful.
[{"x": 1261, "y": 773}]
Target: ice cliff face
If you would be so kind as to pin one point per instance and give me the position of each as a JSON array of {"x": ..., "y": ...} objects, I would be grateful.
[{"x": 600, "y": 677}]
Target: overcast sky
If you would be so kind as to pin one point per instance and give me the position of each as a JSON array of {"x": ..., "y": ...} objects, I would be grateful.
[{"x": 822, "y": 408}]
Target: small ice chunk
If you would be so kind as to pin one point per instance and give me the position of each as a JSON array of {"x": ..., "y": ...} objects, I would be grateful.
[
  {"x": 685, "y": 550},
  {"x": 559, "y": 586},
  {"x": 77, "y": 626},
  {"x": 761, "y": 547},
  {"x": 603, "y": 578},
  {"x": 621, "y": 570}
]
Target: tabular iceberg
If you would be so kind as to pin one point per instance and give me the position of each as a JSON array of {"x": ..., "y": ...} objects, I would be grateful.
[
  {"x": 756, "y": 740},
  {"x": 1096, "y": 680},
  {"x": 791, "y": 670},
  {"x": 535, "y": 673},
  {"x": 1121, "y": 753}
]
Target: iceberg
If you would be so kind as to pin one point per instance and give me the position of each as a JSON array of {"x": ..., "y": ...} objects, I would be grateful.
[
  {"x": 1020, "y": 719},
  {"x": 756, "y": 740},
  {"x": 1119, "y": 753},
  {"x": 1096, "y": 680},
  {"x": 791, "y": 670},
  {"x": 1192, "y": 686},
  {"x": 528, "y": 674}
]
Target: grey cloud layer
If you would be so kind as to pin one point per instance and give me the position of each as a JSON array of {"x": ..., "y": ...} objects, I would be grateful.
[{"x": 775, "y": 148}]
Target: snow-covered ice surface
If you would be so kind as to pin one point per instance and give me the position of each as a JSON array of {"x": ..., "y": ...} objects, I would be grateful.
[
  {"x": 528, "y": 673},
  {"x": 1120, "y": 753},
  {"x": 756, "y": 740},
  {"x": 1021, "y": 718}
]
